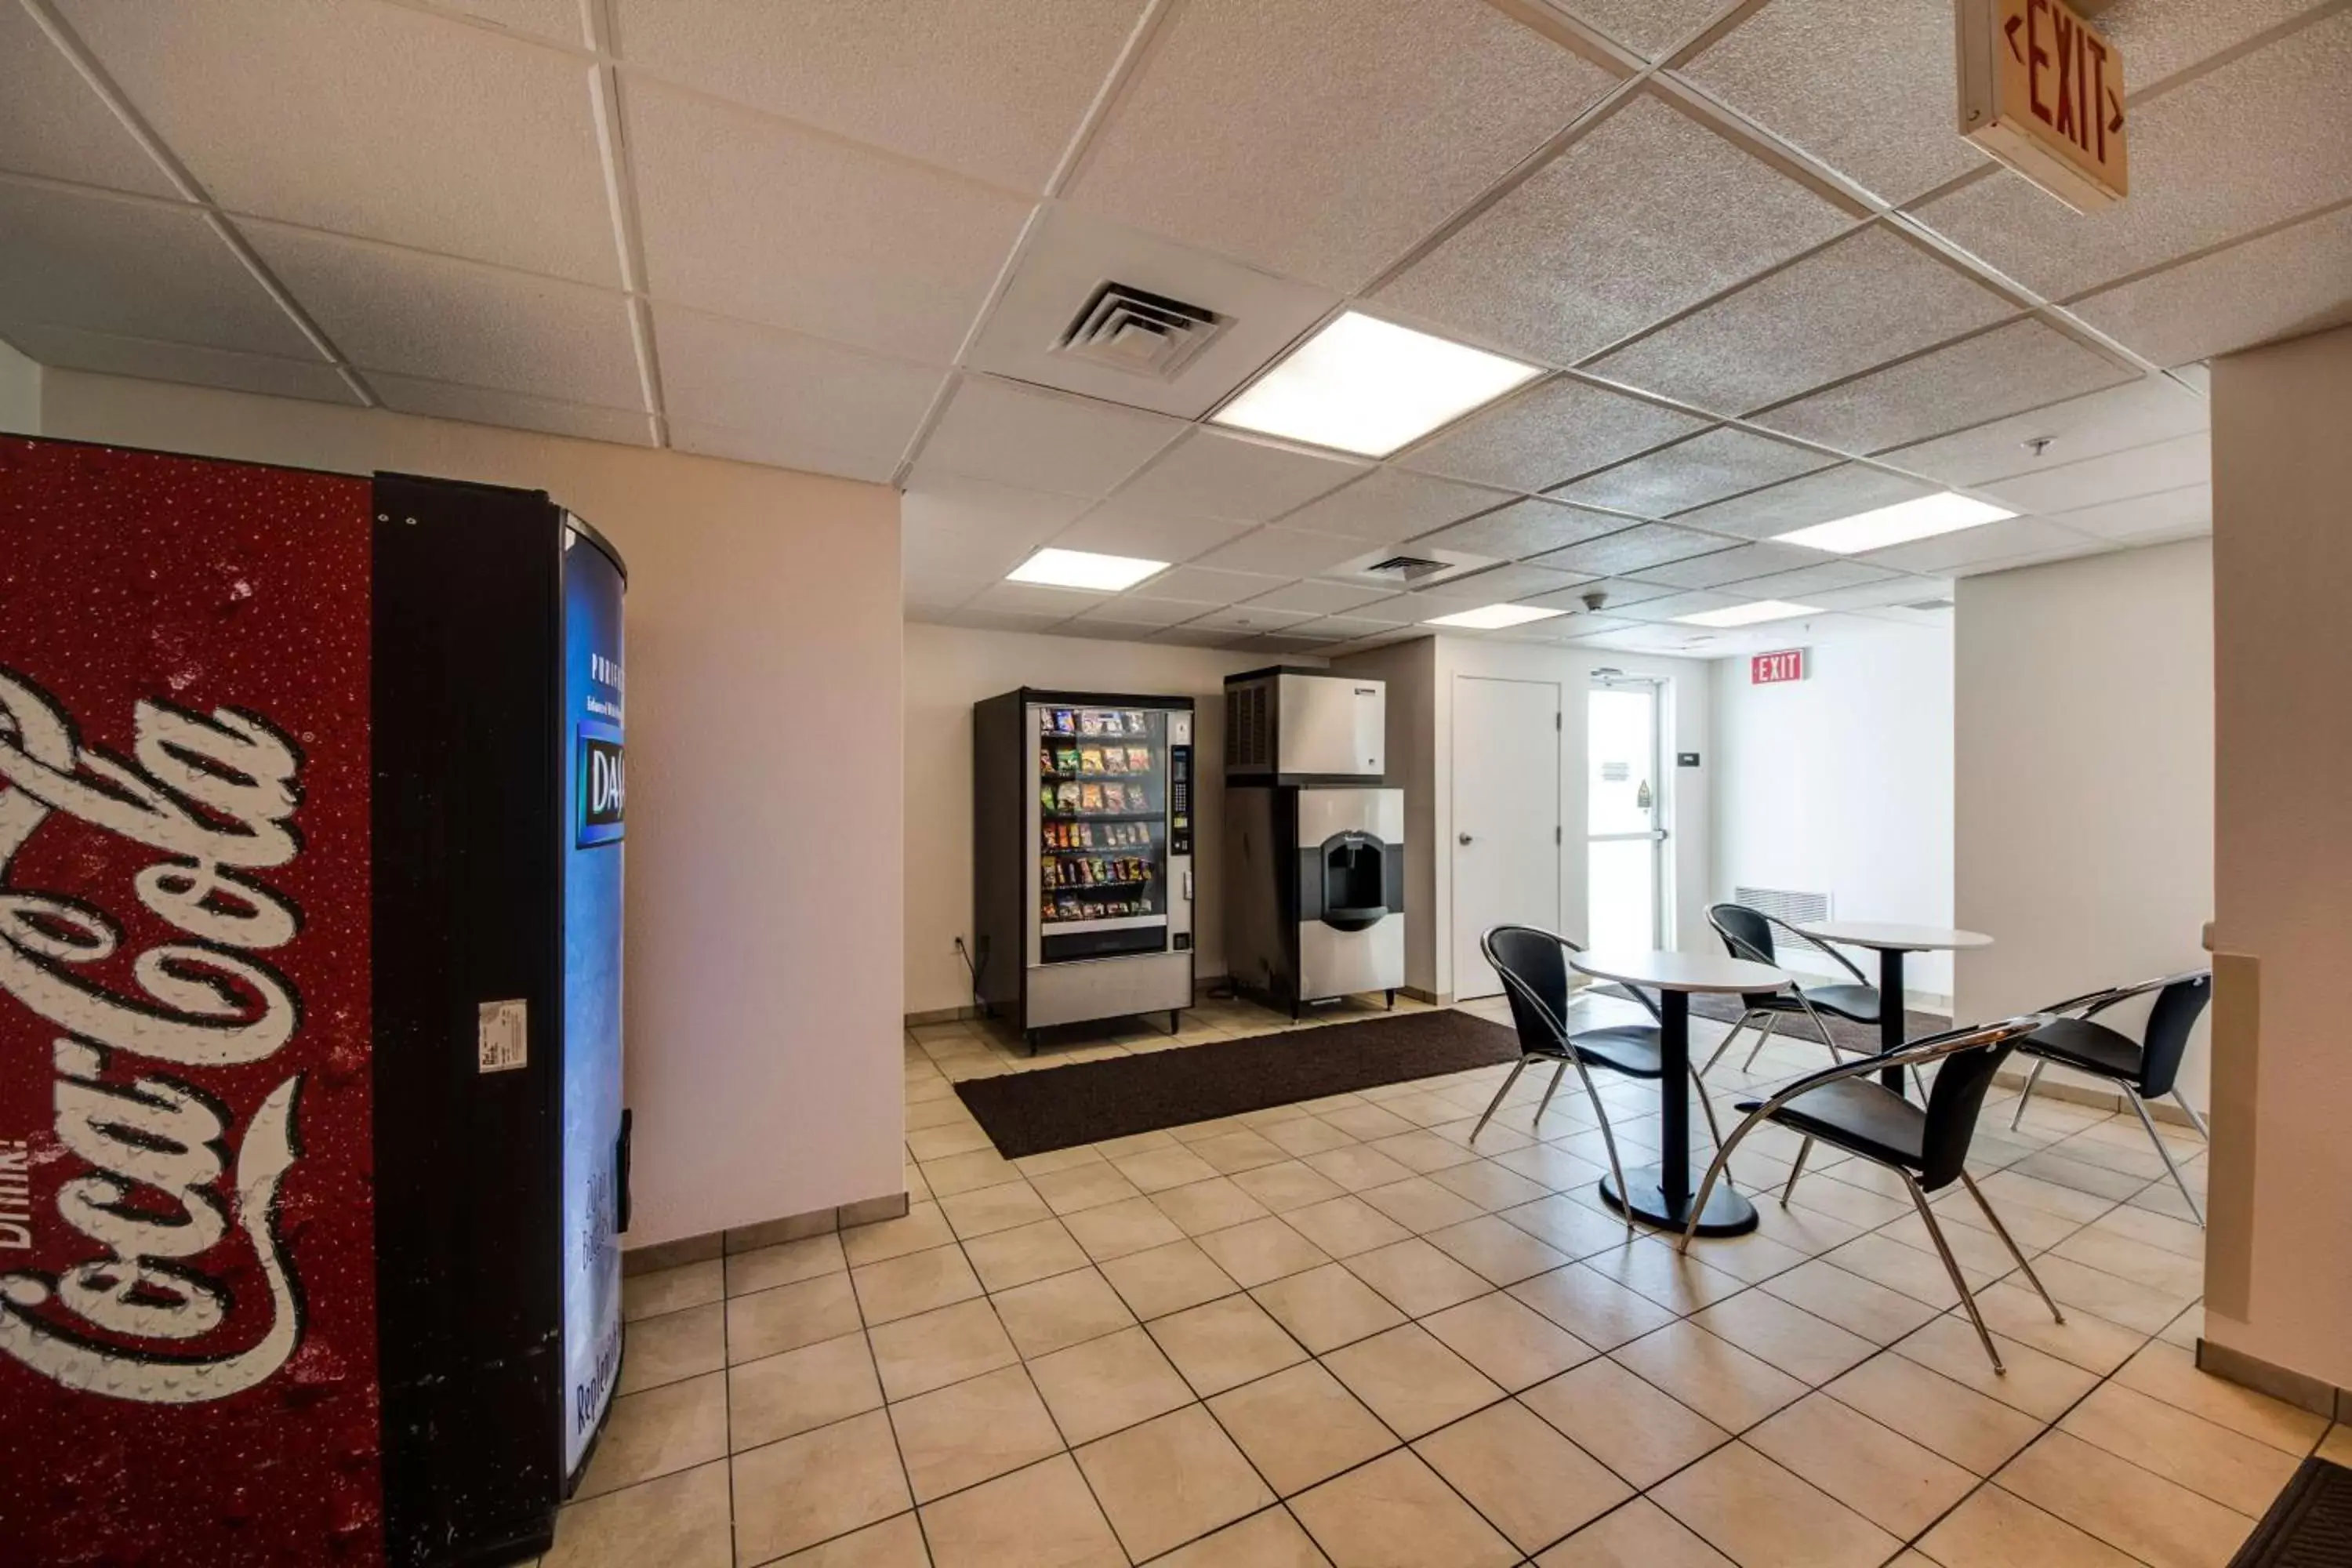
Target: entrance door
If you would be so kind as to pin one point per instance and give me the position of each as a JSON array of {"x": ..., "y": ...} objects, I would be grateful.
[
  {"x": 1625, "y": 814},
  {"x": 1505, "y": 818}
]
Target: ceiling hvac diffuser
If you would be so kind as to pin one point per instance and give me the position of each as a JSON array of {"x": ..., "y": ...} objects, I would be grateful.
[{"x": 1129, "y": 328}]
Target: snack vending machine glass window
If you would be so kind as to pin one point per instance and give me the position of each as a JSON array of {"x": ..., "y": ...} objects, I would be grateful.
[{"x": 1083, "y": 891}]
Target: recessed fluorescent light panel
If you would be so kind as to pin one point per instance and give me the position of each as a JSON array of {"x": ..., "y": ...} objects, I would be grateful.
[
  {"x": 1368, "y": 386},
  {"x": 1747, "y": 615},
  {"x": 1083, "y": 569},
  {"x": 1488, "y": 617},
  {"x": 1897, "y": 524}
]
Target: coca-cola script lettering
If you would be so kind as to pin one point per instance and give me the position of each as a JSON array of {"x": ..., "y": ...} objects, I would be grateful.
[{"x": 213, "y": 795}]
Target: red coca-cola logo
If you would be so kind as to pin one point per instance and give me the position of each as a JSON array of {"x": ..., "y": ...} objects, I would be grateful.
[{"x": 213, "y": 796}]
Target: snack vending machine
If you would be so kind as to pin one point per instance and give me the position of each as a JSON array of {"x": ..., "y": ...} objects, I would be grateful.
[
  {"x": 313, "y": 1159},
  {"x": 1081, "y": 855}
]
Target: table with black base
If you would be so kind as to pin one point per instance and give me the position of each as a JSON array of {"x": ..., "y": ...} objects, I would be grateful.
[
  {"x": 1660, "y": 1193},
  {"x": 1890, "y": 943}
]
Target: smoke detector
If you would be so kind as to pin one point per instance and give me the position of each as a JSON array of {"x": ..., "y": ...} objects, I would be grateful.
[{"x": 1127, "y": 329}]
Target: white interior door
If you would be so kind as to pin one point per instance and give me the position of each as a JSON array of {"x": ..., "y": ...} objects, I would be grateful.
[{"x": 1505, "y": 818}]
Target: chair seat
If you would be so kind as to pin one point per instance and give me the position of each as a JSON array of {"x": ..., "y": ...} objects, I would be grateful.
[
  {"x": 1859, "y": 1117},
  {"x": 1856, "y": 1003},
  {"x": 1629, "y": 1049},
  {"x": 2079, "y": 1043}
]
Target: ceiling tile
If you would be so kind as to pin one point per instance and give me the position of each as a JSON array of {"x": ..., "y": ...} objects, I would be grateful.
[
  {"x": 52, "y": 123},
  {"x": 1320, "y": 598},
  {"x": 1552, "y": 432},
  {"x": 1643, "y": 545},
  {"x": 428, "y": 316},
  {"x": 1521, "y": 583},
  {"x": 1648, "y": 27},
  {"x": 1396, "y": 610},
  {"x": 1671, "y": 606},
  {"x": 2194, "y": 182},
  {"x": 1016, "y": 435},
  {"x": 2021, "y": 365},
  {"x": 1730, "y": 566},
  {"x": 1212, "y": 585},
  {"x": 2292, "y": 281},
  {"x": 1106, "y": 631},
  {"x": 556, "y": 19},
  {"x": 1250, "y": 617},
  {"x": 849, "y": 413},
  {"x": 747, "y": 217},
  {"x": 1233, "y": 477},
  {"x": 1645, "y": 214},
  {"x": 376, "y": 120},
  {"x": 1994, "y": 543},
  {"x": 2167, "y": 514},
  {"x": 1872, "y": 100},
  {"x": 1690, "y": 473},
  {"x": 1199, "y": 636},
  {"x": 958, "y": 527},
  {"x": 1886, "y": 591},
  {"x": 1320, "y": 139},
  {"x": 1841, "y": 491},
  {"x": 1113, "y": 529},
  {"x": 2128, "y": 415},
  {"x": 1869, "y": 297},
  {"x": 1036, "y": 599},
  {"x": 2158, "y": 38},
  {"x": 1028, "y": 623},
  {"x": 1799, "y": 585},
  {"x": 993, "y": 91},
  {"x": 925, "y": 598},
  {"x": 1354, "y": 629},
  {"x": 1284, "y": 551},
  {"x": 2116, "y": 475},
  {"x": 69, "y": 348},
  {"x": 1134, "y": 610},
  {"x": 1388, "y": 504},
  {"x": 1524, "y": 528},
  {"x": 1615, "y": 593},
  {"x": 1072, "y": 254},
  {"x": 134, "y": 269},
  {"x": 439, "y": 400}
]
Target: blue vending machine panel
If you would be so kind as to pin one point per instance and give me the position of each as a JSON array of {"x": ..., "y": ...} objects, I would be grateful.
[{"x": 594, "y": 1160}]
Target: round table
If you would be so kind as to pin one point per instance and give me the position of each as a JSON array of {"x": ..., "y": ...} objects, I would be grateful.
[
  {"x": 1891, "y": 941},
  {"x": 1661, "y": 1192}
]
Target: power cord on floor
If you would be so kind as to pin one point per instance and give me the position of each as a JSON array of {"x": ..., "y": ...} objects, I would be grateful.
[{"x": 965, "y": 954}]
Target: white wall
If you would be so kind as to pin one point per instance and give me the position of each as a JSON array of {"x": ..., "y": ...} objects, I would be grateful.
[
  {"x": 764, "y": 977},
  {"x": 2083, "y": 796},
  {"x": 948, "y": 670},
  {"x": 1841, "y": 784},
  {"x": 1429, "y": 860},
  {"x": 20, "y": 393}
]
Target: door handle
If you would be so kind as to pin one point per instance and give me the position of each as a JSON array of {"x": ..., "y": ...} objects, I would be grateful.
[{"x": 1465, "y": 838}]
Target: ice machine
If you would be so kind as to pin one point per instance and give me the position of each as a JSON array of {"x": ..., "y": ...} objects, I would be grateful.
[
  {"x": 1313, "y": 845},
  {"x": 312, "y": 1157}
]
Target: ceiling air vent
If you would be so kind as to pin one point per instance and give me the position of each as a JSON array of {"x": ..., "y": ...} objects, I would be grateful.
[
  {"x": 1394, "y": 569},
  {"x": 1404, "y": 568},
  {"x": 1126, "y": 328}
]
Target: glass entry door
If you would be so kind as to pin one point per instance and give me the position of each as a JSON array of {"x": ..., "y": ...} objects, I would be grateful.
[{"x": 1625, "y": 829}]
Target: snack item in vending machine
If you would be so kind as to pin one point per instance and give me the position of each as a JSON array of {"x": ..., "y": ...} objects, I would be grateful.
[
  {"x": 1090, "y": 760},
  {"x": 1136, "y": 725},
  {"x": 1046, "y": 796},
  {"x": 1111, "y": 726},
  {"x": 1065, "y": 760},
  {"x": 1090, "y": 797},
  {"x": 1067, "y": 794},
  {"x": 1089, "y": 723}
]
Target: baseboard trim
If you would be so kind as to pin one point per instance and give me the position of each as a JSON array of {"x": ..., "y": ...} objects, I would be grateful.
[
  {"x": 1202, "y": 985},
  {"x": 2090, "y": 1095},
  {"x": 2299, "y": 1389},
  {"x": 768, "y": 1232}
]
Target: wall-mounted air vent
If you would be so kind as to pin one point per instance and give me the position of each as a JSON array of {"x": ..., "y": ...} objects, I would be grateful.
[
  {"x": 1796, "y": 907},
  {"x": 1130, "y": 328}
]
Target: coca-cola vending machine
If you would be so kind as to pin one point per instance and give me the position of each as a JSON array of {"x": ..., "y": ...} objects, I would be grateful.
[{"x": 312, "y": 1158}]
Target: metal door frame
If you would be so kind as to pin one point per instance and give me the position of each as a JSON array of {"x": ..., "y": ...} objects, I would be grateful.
[{"x": 1658, "y": 834}]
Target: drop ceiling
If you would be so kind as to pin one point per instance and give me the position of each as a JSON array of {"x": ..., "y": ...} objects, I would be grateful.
[{"x": 1766, "y": 284}]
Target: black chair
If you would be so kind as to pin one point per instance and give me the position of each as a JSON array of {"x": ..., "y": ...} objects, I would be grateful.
[
  {"x": 1927, "y": 1146},
  {"x": 1534, "y": 969},
  {"x": 1748, "y": 933},
  {"x": 2144, "y": 1070}
]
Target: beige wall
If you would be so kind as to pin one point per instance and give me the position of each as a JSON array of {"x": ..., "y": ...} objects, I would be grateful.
[
  {"x": 2279, "y": 1269},
  {"x": 20, "y": 394},
  {"x": 2083, "y": 779},
  {"x": 948, "y": 670},
  {"x": 763, "y": 882}
]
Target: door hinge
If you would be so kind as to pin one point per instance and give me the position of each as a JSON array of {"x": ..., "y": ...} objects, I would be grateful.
[
  {"x": 1555, "y": 834},
  {"x": 1555, "y": 718}
]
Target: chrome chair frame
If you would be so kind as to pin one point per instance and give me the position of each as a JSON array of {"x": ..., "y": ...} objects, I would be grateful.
[
  {"x": 2090, "y": 1005},
  {"x": 1914, "y": 1055},
  {"x": 1742, "y": 948},
  {"x": 1568, "y": 1056}
]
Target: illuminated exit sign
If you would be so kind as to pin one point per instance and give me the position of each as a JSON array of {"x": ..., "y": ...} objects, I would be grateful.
[
  {"x": 1765, "y": 669},
  {"x": 2043, "y": 90}
]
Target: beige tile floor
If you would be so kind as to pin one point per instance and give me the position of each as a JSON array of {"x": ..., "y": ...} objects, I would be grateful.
[{"x": 1336, "y": 1333}]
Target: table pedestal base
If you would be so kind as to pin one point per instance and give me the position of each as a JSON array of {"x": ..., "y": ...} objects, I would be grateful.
[{"x": 1728, "y": 1214}]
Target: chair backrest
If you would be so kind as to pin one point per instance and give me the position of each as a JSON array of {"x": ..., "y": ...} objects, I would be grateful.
[
  {"x": 1534, "y": 967},
  {"x": 1746, "y": 934},
  {"x": 2166, "y": 1040},
  {"x": 1953, "y": 1102}
]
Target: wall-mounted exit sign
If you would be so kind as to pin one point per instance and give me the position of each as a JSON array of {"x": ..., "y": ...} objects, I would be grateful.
[
  {"x": 1766, "y": 668},
  {"x": 2043, "y": 90}
]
